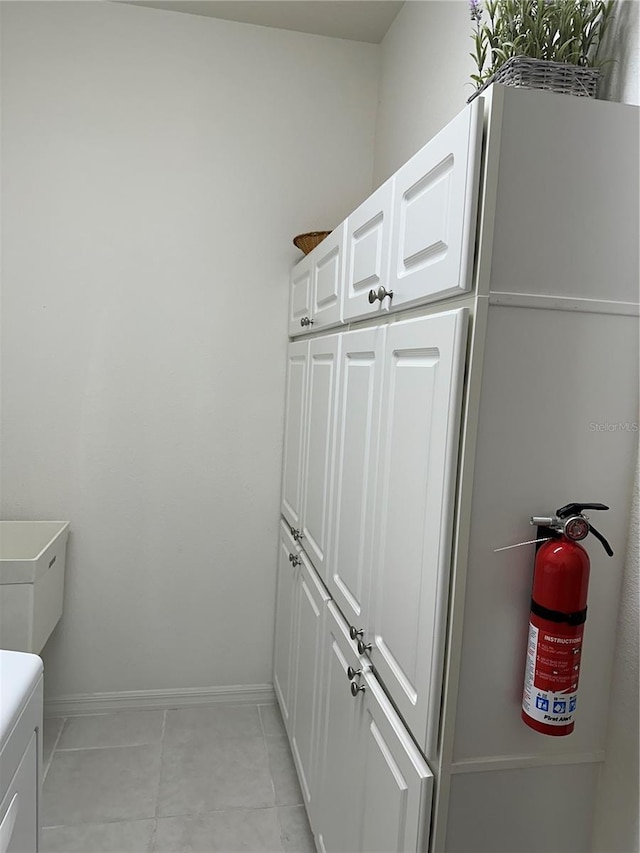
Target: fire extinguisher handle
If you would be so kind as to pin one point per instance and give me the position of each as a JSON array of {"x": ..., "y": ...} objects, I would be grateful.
[
  {"x": 572, "y": 509},
  {"x": 604, "y": 542}
]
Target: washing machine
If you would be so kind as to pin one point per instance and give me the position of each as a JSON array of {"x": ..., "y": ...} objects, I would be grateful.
[{"x": 21, "y": 698}]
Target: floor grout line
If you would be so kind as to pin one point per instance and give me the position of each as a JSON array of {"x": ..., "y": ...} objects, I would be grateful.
[{"x": 157, "y": 804}]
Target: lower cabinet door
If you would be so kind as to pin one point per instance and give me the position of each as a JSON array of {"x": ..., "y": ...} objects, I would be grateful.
[
  {"x": 396, "y": 785},
  {"x": 283, "y": 670},
  {"x": 311, "y": 607},
  {"x": 336, "y": 823},
  {"x": 376, "y": 787}
]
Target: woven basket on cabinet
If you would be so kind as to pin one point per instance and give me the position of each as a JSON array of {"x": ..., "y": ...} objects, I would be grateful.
[
  {"x": 561, "y": 77},
  {"x": 307, "y": 242}
]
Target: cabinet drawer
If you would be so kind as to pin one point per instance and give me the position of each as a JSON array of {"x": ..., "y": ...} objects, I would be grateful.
[{"x": 434, "y": 214}]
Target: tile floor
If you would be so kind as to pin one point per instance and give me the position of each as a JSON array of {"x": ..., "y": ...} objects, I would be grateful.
[{"x": 214, "y": 779}]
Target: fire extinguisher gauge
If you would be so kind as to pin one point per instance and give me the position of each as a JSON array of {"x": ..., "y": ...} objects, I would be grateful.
[{"x": 576, "y": 528}]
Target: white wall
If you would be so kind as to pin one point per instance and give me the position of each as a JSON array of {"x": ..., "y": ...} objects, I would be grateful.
[
  {"x": 155, "y": 169},
  {"x": 424, "y": 79},
  {"x": 425, "y": 66}
]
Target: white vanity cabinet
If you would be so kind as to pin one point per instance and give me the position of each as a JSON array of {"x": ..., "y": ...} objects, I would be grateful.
[{"x": 418, "y": 444}]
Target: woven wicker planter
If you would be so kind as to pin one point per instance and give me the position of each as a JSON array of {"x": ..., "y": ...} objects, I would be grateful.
[{"x": 558, "y": 77}]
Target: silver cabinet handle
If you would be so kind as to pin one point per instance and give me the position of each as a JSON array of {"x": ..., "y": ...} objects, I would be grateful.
[
  {"x": 353, "y": 673},
  {"x": 363, "y": 647},
  {"x": 306, "y": 321},
  {"x": 381, "y": 293},
  {"x": 296, "y": 534},
  {"x": 354, "y": 633},
  {"x": 355, "y": 689},
  {"x": 294, "y": 559}
]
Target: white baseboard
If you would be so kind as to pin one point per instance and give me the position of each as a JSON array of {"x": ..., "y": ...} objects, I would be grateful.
[{"x": 142, "y": 700}]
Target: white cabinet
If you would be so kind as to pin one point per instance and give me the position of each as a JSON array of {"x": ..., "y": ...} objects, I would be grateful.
[
  {"x": 377, "y": 788},
  {"x": 283, "y": 661},
  {"x": 311, "y": 599},
  {"x": 294, "y": 432},
  {"x": 413, "y": 522},
  {"x": 308, "y": 442},
  {"x": 318, "y": 455},
  {"x": 434, "y": 214},
  {"x": 356, "y": 462},
  {"x": 315, "y": 292},
  {"x": 418, "y": 445},
  {"x": 299, "y": 637},
  {"x": 368, "y": 242},
  {"x": 18, "y": 809},
  {"x": 300, "y": 296}
]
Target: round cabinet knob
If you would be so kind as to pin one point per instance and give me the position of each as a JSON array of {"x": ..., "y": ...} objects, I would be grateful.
[
  {"x": 353, "y": 673},
  {"x": 381, "y": 293},
  {"x": 363, "y": 647},
  {"x": 354, "y": 633},
  {"x": 355, "y": 689}
]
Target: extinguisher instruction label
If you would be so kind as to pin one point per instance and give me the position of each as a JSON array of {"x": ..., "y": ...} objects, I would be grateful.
[{"x": 551, "y": 675}]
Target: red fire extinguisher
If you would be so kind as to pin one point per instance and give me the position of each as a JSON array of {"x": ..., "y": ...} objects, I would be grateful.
[{"x": 556, "y": 623}]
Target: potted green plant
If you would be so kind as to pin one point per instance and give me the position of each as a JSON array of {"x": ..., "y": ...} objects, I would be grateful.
[{"x": 541, "y": 44}]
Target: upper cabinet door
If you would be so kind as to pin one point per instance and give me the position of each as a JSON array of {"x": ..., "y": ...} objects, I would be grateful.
[
  {"x": 300, "y": 295},
  {"x": 420, "y": 422},
  {"x": 368, "y": 244},
  {"x": 356, "y": 459},
  {"x": 434, "y": 214},
  {"x": 294, "y": 432},
  {"x": 316, "y": 512},
  {"x": 328, "y": 275}
]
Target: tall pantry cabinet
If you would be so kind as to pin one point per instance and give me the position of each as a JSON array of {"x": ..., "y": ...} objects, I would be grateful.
[{"x": 464, "y": 355}]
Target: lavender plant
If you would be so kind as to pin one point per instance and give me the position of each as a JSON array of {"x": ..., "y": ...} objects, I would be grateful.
[{"x": 568, "y": 31}]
